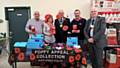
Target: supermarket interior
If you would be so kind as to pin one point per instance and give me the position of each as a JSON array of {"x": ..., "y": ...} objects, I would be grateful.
[{"x": 60, "y": 34}]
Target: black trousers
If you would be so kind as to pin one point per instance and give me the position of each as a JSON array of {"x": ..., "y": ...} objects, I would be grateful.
[{"x": 96, "y": 56}]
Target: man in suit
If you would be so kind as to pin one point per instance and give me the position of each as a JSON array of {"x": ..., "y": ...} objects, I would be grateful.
[
  {"x": 94, "y": 32},
  {"x": 62, "y": 27}
]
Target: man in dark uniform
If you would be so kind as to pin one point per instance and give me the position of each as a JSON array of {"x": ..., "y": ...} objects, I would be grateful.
[
  {"x": 77, "y": 28},
  {"x": 62, "y": 27},
  {"x": 95, "y": 34}
]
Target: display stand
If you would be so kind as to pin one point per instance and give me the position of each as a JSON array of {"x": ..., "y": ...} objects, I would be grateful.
[{"x": 112, "y": 56}]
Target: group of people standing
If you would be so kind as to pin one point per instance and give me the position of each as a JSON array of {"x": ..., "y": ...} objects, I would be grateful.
[{"x": 56, "y": 31}]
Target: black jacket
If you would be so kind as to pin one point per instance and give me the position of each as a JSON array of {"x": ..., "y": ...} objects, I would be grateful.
[
  {"x": 61, "y": 36},
  {"x": 80, "y": 26}
]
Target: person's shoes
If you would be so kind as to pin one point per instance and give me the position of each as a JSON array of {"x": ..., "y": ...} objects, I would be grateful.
[{"x": 89, "y": 66}]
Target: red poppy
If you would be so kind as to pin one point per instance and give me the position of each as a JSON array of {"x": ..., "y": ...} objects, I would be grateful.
[
  {"x": 17, "y": 50},
  {"x": 84, "y": 60},
  {"x": 71, "y": 59},
  {"x": 78, "y": 50},
  {"x": 32, "y": 57},
  {"x": 21, "y": 57},
  {"x": 77, "y": 57},
  {"x": 65, "y": 28}
]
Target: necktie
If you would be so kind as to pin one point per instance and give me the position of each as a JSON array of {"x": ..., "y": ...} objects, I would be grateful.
[
  {"x": 93, "y": 21},
  {"x": 92, "y": 26},
  {"x": 61, "y": 21}
]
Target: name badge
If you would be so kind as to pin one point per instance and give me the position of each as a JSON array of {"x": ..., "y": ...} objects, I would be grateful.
[
  {"x": 61, "y": 26},
  {"x": 92, "y": 26}
]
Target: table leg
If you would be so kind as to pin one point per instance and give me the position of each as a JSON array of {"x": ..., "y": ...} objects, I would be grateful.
[
  {"x": 13, "y": 65},
  {"x": 15, "y": 62}
]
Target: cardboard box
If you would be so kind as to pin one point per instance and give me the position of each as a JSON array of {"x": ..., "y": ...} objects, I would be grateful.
[
  {"x": 111, "y": 58},
  {"x": 37, "y": 36},
  {"x": 35, "y": 40},
  {"x": 20, "y": 47},
  {"x": 34, "y": 45},
  {"x": 28, "y": 52},
  {"x": 113, "y": 65},
  {"x": 72, "y": 41},
  {"x": 20, "y": 44}
]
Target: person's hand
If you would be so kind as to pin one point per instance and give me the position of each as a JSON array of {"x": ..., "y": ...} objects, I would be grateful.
[
  {"x": 50, "y": 34},
  {"x": 52, "y": 31},
  {"x": 30, "y": 32},
  {"x": 90, "y": 40},
  {"x": 75, "y": 31},
  {"x": 65, "y": 28},
  {"x": 32, "y": 29},
  {"x": 78, "y": 31}
]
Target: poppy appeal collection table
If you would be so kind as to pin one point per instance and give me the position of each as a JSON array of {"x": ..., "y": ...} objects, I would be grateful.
[{"x": 38, "y": 53}]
